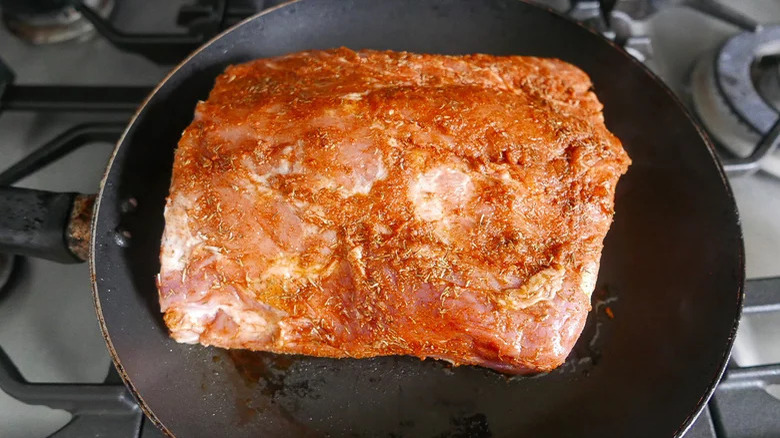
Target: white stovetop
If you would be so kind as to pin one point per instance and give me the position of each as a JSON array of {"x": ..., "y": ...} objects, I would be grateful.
[
  {"x": 47, "y": 322},
  {"x": 758, "y": 196}
]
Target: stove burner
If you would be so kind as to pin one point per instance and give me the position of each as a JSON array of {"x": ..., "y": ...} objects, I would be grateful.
[
  {"x": 736, "y": 92},
  {"x": 50, "y": 21},
  {"x": 630, "y": 20}
]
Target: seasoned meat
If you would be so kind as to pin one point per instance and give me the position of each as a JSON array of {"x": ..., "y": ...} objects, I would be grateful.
[{"x": 355, "y": 204}]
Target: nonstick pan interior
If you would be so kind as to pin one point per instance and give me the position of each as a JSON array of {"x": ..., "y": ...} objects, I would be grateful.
[{"x": 671, "y": 271}]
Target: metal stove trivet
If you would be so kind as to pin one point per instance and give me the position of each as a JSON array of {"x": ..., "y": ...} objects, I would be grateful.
[
  {"x": 742, "y": 405},
  {"x": 105, "y": 409}
]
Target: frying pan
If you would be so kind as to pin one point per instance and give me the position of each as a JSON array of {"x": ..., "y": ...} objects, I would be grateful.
[{"x": 666, "y": 306}]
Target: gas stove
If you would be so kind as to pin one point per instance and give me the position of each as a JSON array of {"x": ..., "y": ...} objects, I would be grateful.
[{"x": 72, "y": 73}]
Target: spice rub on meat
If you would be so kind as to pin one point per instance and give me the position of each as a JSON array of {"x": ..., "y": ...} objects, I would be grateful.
[{"x": 355, "y": 204}]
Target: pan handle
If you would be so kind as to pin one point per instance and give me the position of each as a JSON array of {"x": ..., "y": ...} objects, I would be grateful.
[{"x": 48, "y": 225}]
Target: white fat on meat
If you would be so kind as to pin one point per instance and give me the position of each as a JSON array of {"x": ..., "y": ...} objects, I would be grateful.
[
  {"x": 437, "y": 194},
  {"x": 362, "y": 164},
  {"x": 178, "y": 242},
  {"x": 542, "y": 286},
  {"x": 200, "y": 320},
  {"x": 590, "y": 271}
]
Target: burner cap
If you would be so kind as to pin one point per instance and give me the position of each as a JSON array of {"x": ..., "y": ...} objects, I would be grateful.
[
  {"x": 51, "y": 21},
  {"x": 733, "y": 93}
]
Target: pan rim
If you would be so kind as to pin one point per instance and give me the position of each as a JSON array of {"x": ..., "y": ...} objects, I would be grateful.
[
  {"x": 93, "y": 238},
  {"x": 726, "y": 354}
]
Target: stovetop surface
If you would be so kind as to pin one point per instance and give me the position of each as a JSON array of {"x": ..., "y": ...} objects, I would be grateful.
[{"x": 47, "y": 305}]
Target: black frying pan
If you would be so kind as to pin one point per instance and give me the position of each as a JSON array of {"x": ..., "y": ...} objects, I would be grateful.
[{"x": 671, "y": 272}]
